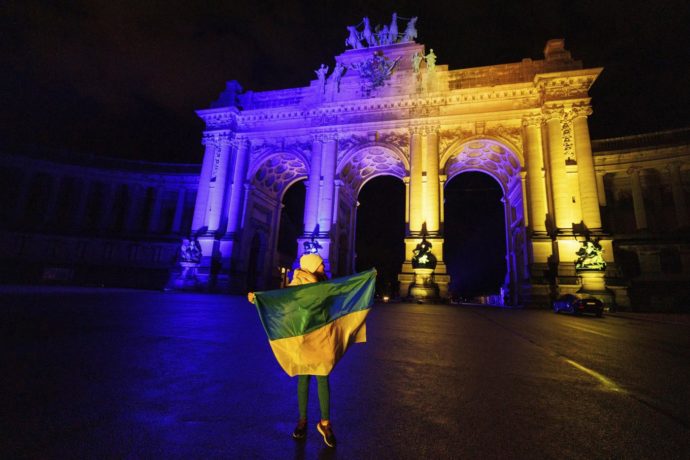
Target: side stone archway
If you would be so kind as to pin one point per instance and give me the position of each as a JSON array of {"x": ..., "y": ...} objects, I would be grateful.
[{"x": 495, "y": 158}]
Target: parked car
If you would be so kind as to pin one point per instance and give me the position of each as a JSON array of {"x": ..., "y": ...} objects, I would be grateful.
[{"x": 570, "y": 303}]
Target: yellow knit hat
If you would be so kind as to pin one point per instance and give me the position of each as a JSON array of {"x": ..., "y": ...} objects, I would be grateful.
[{"x": 310, "y": 262}]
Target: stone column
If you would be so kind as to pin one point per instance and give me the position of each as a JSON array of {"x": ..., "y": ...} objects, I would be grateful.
[
  {"x": 536, "y": 185},
  {"x": 601, "y": 188},
  {"x": 82, "y": 201},
  {"x": 416, "y": 195},
  {"x": 19, "y": 205},
  {"x": 105, "y": 221},
  {"x": 325, "y": 213},
  {"x": 179, "y": 211},
  {"x": 589, "y": 198},
  {"x": 201, "y": 205},
  {"x": 559, "y": 179},
  {"x": 432, "y": 197},
  {"x": 442, "y": 196},
  {"x": 638, "y": 198},
  {"x": 406, "y": 181},
  {"x": 51, "y": 202},
  {"x": 311, "y": 203},
  {"x": 153, "y": 224},
  {"x": 237, "y": 190},
  {"x": 218, "y": 183},
  {"x": 678, "y": 194},
  {"x": 132, "y": 223}
]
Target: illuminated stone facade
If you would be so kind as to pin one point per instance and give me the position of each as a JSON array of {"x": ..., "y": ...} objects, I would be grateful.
[
  {"x": 524, "y": 124},
  {"x": 644, "y": 193},
  {"x": 70, "y": 218}
]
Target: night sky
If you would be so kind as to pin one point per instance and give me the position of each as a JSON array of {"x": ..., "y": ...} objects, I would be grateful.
[{"x": 123, "y": 79}]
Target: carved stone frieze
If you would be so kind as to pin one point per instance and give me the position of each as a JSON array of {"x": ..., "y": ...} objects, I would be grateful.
[
  {"x": 346, "y": 143},
  {"x": 510, "y": 133},
  {"x": 399, "y": 139},
  {"x": 448, "y": 136}
]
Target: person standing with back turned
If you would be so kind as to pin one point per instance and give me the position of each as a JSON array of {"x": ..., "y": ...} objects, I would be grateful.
[{"x": 311, "y": 271}]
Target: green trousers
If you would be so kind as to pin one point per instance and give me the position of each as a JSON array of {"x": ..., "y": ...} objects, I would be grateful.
[{"x": 303, "y": 395}]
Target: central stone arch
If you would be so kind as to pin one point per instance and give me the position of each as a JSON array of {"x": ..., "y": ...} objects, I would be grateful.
[
  {"x": 355, "y": 168},
  {"x": 497, "y": 158}
]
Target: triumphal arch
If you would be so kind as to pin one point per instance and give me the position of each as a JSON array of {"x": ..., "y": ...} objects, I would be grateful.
[{"x": 387, "y": 107}]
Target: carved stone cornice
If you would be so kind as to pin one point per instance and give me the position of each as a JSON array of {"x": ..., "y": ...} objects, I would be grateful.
[
  {"x": 566, "y": 85},
  {"x": 225, "y": 118}
]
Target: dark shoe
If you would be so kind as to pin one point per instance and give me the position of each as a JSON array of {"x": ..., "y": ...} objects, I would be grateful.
[
  {"x": 327, "y": 433},
  {"x": 300, "y": 430}
]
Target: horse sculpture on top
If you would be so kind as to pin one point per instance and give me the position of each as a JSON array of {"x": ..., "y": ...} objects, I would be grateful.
[
  {"x": 353, "y": 40},
  {"x": 410, "y": 31},
  {"x": 386, "y": 35},
  {"x": 367, "y": 34}
]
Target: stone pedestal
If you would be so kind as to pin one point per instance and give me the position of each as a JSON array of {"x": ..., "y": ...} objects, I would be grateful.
[
  {"x": 594, "y": 284},
  {"x": 187, "y": 279},
  {"x": 424, "y": 289}
]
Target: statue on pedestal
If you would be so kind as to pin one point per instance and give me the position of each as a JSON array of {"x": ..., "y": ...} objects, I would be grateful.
[
  {"x": 321, "y": 74},
  {"x": 590, "y": 256},
  {"x": 335, "y": 77},
  {"x": 423, "y": 264},
  {"x": 416, "y": 61},
  {"x": 430, "y": 61},
  {"x": 422, "y": 256},
  {"x": 190, "y": 259}
]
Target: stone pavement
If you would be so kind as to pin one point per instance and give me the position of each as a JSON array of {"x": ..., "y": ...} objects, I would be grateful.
[{"x": 135, "y": 374}]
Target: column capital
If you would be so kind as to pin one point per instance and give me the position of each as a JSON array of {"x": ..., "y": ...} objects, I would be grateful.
[
  {"x": 241, "y": 141},
  {"x": 553, "y": 112},
  {"x": 431, "y": 129},
  {"x": 225, "y": 139},
  {"x": 634, "y": 170},
  {"x": 324, "y": 137},
  {"x": 208, "y": 139},
  {"x": 578, "y": 111},
  {"x": 533, "y": 119},
  {"x": 674, "y": 166},
  {"x": 417, "y": 129}
]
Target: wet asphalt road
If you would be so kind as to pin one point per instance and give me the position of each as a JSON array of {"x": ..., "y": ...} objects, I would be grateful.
[{"x": 133, "y": 374}]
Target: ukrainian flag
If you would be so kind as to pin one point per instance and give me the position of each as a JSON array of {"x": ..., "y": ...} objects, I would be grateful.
[{"x": 309, "y": 327}]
